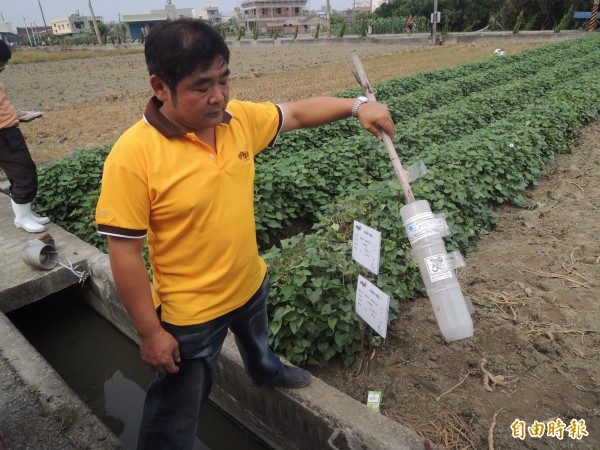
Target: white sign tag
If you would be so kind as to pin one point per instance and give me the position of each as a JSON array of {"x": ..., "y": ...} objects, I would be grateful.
[
  {"x": 372, "y": 305},
  {"x": 366, "y": 246}
]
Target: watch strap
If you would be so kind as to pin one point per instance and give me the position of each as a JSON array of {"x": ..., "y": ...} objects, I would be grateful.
[{"x": 357, "y": 104}]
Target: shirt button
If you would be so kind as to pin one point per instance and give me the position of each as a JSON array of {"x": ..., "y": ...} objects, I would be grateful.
[{"x": 212, "y": 156}]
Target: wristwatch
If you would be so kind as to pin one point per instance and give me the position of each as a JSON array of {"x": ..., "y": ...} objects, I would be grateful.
[{"x": 359, "y": 101}]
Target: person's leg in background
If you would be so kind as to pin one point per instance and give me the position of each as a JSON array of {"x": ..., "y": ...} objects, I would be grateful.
[{"x": 21, "y": 172}]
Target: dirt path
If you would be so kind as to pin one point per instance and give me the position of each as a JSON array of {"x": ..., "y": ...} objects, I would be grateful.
[{"x": 535, "y": 281}]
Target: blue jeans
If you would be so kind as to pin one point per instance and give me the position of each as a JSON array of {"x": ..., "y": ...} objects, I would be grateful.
[{"x": 173, "y": 401}]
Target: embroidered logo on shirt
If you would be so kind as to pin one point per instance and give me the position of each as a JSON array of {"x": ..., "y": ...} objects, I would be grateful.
[{"x": 244, "y": 155}]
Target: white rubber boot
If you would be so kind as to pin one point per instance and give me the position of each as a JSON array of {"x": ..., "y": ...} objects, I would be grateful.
[
  {"x": 40, "y": 219},
  {"x": 24, "y": 218}
]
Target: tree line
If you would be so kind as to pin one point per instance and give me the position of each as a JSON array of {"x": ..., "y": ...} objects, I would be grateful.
[{"x": 461, "y": 15}]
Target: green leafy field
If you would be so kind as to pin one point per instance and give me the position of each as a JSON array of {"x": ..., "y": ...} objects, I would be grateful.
[{"x": 486, "y": 132}]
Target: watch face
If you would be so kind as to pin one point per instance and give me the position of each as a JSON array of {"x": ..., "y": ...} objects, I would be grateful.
[{"x": 363, "y": 99}]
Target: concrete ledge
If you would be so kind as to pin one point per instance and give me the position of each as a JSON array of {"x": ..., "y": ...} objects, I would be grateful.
[
  {"x": 100, "y": 293},
  {"x": 21, "y": 284},
  {"x": 414, "y": 39},
  {"x": 315, "y": 417},
  {"x": 38, "y": 409},
  {"x": 318, "y": 416}
]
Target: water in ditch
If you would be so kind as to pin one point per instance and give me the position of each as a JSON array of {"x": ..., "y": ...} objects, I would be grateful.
[{"x": 104, "y": 368}]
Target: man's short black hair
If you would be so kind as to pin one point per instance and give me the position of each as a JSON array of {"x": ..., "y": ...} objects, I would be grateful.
[
  {"x": 5, "y": 52},
  {"x": 175, "y": 48}
]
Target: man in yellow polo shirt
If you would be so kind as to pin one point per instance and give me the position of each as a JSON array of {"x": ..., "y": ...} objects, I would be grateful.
[{"x": 183, "y": 177}]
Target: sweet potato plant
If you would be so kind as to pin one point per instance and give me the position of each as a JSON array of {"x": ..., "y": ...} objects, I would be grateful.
[{"x": 486, "y": 132}]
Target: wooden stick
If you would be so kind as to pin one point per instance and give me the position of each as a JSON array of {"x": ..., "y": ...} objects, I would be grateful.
[
  {"x": 362, "y": 349},
  {"x": 361, "y": 77}
]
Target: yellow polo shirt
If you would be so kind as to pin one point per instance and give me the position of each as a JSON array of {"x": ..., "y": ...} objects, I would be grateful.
[{"x": 195, "y": 205}]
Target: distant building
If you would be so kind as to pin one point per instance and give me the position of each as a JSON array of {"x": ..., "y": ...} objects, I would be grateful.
[
  {"x": 12, "y": 39},
  {"x": 211, "y": 14},
  {"x": 350, "y": 14},
  {"x": 175, "y": 13},
  {"x": 273, "y": 14},
  {"x": 74, "y": 24},
  {"x": 34, "y": 35},
  {"x": 362, "y": 7},
  {"x": 6, "y": 27},
  {"x": 377, "y": 3},
  {"x": 140, "y": 24},
  {"x": 7, "y": 35}
]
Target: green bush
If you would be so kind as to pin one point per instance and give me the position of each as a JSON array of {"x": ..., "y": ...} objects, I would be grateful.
[
  {"x": 519, "y": 22},
  {"x": 68, "y": 192},
  {"x": 531, "y": 22},
  {"x": 313, "y": 278},
  {"x": 566, "y": 20}
]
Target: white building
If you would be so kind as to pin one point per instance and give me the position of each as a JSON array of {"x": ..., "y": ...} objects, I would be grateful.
[
  {"x": 174, "y": 13},
  {"x": 74, "y": 24},
  {"x": 211, "y": 14},
  {"x": 6, "y": 27},
  {"x": 377, "y": 3}
]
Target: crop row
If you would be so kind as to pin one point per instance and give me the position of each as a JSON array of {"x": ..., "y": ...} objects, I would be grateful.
[
  {"x": 411, "y": 96},
  {"x": 298, "y": 184},
  {"x": 314, "y": 276},
  {"x": 477, "y": 110}
]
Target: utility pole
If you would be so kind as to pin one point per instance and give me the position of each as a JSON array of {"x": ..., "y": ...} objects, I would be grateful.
[
  {"x": 328, "y": 16},
  {"x": 42, "y": 11},
  {"x": 27, "y": 31},
  {"x": 170, "y": 8},
  {"x": 95, "y": 24},
  {"x": 43, "y": 18},
  {"x": 33, "y": 33},
  {"x": 434, "y": 22},
  {"x": 594, "y": 16}
]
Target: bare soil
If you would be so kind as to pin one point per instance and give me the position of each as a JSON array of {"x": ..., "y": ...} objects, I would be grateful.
[{"x": 535, "y": 281}]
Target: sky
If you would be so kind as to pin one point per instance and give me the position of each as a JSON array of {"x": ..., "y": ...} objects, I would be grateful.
[{"x": 22, "y": 12}]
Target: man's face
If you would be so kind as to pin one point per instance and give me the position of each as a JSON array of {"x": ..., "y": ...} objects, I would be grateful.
[{"x": 200, "y": 100}]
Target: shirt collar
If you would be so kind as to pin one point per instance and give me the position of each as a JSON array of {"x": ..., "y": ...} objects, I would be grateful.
[{"x": 156, "y": 119}]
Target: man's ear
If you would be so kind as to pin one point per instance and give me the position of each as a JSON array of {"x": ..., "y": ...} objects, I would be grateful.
[{"x": 160, "y": 88}]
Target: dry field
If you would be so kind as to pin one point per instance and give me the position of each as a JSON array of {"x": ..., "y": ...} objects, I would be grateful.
[
  {"x": 535, "y": 281},
  {"x": 90, "y": 102}
]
